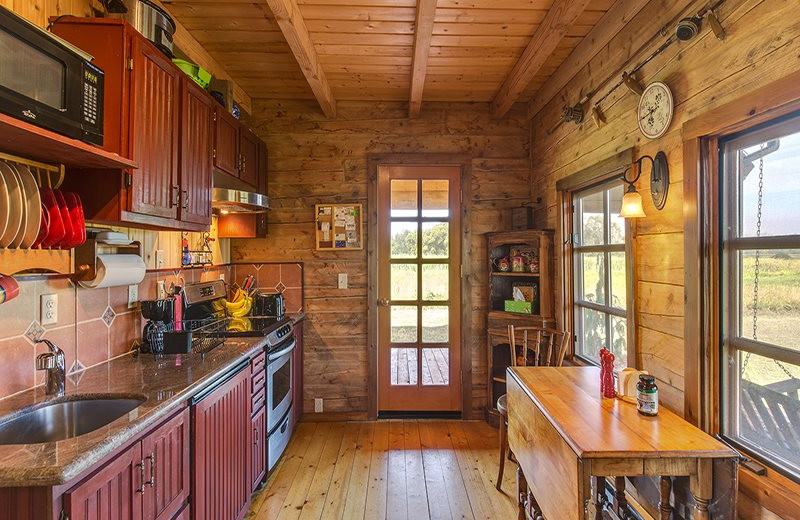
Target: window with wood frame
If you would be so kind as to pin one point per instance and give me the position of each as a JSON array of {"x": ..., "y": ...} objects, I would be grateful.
[
  {"x": 760, "y": 285},
  {"x": 599, "y": 271}
]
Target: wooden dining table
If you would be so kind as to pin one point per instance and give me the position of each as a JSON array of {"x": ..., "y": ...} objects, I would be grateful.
[{"x": 568, "y": 440}]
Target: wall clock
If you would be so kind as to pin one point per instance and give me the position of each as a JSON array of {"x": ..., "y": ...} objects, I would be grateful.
[{"x": 655, "y": 110}]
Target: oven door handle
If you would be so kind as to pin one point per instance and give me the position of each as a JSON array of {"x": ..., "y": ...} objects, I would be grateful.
[{"x": 275, "y": 355}]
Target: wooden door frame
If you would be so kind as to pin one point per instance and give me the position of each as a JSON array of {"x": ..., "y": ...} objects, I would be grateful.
[
  {"x": 374, "y": 161},
  {"x": 702, "y": 344}
]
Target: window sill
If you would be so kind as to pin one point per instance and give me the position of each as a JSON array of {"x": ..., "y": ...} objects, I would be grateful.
[{"x": 772, "y": 491}]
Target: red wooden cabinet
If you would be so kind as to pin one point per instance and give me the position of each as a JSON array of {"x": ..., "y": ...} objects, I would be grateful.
[
  {"x": 153, "y": 132},
  {"x": 197, "y": 140},
  {"x": 145, "y": 106},
  {"x": 166, "y": 455},
  {"x": 258, "y": 460},
  {"x": 221, "y": 478},
  {"x": 113, "y": 492},
  {"x": 248, "y": 157},
  {"x": 226, "y": 142}
]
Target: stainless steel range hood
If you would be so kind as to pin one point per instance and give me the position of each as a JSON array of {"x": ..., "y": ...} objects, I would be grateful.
[{"x": 227, "y": 200}]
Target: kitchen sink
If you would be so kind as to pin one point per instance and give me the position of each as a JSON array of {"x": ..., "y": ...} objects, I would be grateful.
[{"x": 64, "y": 419}]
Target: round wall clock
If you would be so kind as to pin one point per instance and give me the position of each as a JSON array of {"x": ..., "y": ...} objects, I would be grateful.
[{"x": 655, "y": 110}]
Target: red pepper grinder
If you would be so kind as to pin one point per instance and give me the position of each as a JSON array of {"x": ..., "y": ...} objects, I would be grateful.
[{"x": 607, "y": 374}]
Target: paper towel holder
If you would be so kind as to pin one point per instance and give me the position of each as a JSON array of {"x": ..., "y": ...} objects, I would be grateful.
[{"x": 86, "y": 256}]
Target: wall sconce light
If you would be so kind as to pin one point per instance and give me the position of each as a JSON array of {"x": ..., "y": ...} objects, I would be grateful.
[{"x": 659, "y": 186}]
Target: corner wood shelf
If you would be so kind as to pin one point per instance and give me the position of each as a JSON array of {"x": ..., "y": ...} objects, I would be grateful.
[
  {"x": 500, "y": 283},
  {"x": 32, "y": 142}
]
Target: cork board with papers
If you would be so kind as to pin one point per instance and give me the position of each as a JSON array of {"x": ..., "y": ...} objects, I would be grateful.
[{"x": 339, "y": 227}]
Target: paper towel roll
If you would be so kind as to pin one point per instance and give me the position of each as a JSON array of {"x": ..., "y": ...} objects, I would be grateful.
[{"x": 115, "y": 270}]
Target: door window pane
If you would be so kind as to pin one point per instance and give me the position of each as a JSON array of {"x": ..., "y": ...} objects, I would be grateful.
[
  {"x": 404, "y": 366},
  {"x": 403, "y": 323},
  {"x": 616, "y": 234},
  {"x": 435, "y": 282},
  {"x": 404, "y": 198},
  {"x": 404, "y": 281},
  {"x": 591, "y": 223},
  {"x": 776, "y": 309},
  {"x": 435, "y": 324},
  {"x": 435, "y": 240},
  {"x": 436, "y": 366},
  {"x": 619, "y": 297},
  {"x": 404, "y": 240},
  {"x": 593, "y": 332},
  {"x": 593, "y": 270},
  {"x": 435, "y": 198}
]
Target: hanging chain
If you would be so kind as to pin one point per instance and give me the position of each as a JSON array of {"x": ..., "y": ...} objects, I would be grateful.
[{"x": 757, "y": 269}]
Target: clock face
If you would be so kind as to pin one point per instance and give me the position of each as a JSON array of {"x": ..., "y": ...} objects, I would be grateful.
[{"x": 655, "y": 110}]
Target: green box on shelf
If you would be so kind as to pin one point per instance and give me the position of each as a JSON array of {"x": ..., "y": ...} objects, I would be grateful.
[{"x": 518, "y": 307}]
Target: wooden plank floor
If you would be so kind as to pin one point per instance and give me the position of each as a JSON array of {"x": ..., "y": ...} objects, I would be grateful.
[{"x": 396, "y": 469}]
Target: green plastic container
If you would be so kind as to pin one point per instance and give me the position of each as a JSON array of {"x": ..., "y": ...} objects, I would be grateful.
[
  {"x": 200, "y": 76},
  {"x": 518, "y": 307}
]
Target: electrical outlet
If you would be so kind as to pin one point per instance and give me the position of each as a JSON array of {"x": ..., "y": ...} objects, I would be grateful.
[
  {"x": 342, "y": 280},
  {"x": 159, "y": 258},
  {"x": 161, "y": 290},
  {"x": 222, "y": 276},
  {"x": 318, "y": 405},
  {"x": 133, "y": 295},
  {"x": 49, "y": 313}
]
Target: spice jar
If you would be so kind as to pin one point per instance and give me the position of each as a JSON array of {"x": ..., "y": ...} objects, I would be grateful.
[{"x": 647, "y": 395}]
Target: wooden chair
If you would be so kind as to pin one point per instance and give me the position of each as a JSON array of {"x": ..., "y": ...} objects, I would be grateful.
[{"x": 547, "y": 349}]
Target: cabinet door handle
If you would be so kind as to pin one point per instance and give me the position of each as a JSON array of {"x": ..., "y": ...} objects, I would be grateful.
[
  {"x": 175, "y": 195},
  {"x": 140, "y": 464},
  {"x": 152, "y": 481},
  {"x": 255, "y": 436},
  {"x": 185, "y": 198}
]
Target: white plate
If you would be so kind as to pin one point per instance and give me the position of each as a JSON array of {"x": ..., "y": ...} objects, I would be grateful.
[
  {"x": 3, "y": 205},
  {"x": 14, "y": 205},
  {"x": 23, "y": 225},
  {"x": 33, "y": 206}
]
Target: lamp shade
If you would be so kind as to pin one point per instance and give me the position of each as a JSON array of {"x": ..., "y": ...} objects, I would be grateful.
[{"x": 632, "y": 205}]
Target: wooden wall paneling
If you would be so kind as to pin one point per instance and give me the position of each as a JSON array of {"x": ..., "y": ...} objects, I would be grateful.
[
  {"x": 317, "y": 160},
  {"x": 423, "y": 32},
  {"x": 559, "y": 19},
  {"x": 294, "y": 29}
]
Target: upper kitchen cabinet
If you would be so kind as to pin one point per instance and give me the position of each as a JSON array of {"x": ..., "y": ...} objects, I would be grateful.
[
  {"x": 153, "y": 116},
  {"x": 248, "y": 157},
  {"x": 237, "y": 151}
]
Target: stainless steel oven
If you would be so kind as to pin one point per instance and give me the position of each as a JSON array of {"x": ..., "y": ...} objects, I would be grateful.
[
  {"x": 280, "y": 385},
  {"x": 48, "y": 82}
]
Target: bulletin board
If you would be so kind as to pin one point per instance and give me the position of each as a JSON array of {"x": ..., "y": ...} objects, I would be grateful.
[{"x": 339, "y": 227}]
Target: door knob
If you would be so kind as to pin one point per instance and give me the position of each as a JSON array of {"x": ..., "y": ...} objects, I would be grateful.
[{"x": 383, "y": 302}]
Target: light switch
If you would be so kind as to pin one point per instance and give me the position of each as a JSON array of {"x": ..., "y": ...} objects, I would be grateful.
[
  {"x": 161, "y": 290},
  {"x": 133, "y": 295},
  {"x": 318, "y": 405},
  {"x": 342, "y": 280},
  {"x": 159, "y": 258}
]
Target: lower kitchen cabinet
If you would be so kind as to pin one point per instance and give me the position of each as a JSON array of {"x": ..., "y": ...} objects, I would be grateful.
[
  {"x": 165, "y": 452},
  {"x": 115, "y": 491},
  {"x": 221, "y": 484},
  {"x": 258, "y": 461}
]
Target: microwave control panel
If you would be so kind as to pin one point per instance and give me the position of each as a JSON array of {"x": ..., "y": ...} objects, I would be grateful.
[{"x": 90, "y": 96}]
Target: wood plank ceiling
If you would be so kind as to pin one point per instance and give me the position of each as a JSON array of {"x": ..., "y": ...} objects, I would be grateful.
[{"x": 467, "y": 50}]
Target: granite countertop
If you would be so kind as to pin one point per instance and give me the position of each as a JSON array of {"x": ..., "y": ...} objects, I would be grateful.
[{"x": 167, "y": 382}]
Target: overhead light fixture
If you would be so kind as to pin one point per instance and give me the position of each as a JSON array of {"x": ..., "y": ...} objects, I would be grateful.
[{"x": 659, "y": 186}]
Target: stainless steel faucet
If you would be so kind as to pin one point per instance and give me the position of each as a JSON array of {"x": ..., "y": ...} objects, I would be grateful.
[{"x": 54, "y": 363}]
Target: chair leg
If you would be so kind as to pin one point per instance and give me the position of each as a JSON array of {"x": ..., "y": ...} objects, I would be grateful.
[{"x": 503, "y": 449}]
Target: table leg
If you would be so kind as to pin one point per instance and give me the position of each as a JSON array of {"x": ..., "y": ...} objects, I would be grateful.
[
  {"x": 664, "y": 506},
  {"x": 599, "y": 496},
  {"x": 522, "y": 493},
  {"x": 620, "y": 501},
  {"x": 701, "y": 486}
]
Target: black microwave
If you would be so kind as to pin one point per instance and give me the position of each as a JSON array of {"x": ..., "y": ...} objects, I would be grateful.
[{"x": 47, "y": 82}]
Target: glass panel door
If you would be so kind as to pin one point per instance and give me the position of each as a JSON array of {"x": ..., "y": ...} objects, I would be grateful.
[{"x": 419, "y": 284}]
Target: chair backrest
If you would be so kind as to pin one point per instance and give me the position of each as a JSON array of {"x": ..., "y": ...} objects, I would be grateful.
[{"x": 547, "y": 346}]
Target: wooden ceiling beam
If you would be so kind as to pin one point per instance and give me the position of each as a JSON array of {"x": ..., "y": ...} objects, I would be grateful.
[
  {"x": 423, "y": 33},
  {"x": 551, "y": 31},
  {"x": 610, "y": 25},
  {"x": 294, "y": 29}
]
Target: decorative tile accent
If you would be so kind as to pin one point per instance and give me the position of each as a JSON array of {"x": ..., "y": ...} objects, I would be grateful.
[
  {"x": 109, "y": 316},
  {"x": 34, "y": 332},
  {"x": 280, "y": 287},
  {"x": 76, "y": 366},
  {"x": 76, "y": 372}
]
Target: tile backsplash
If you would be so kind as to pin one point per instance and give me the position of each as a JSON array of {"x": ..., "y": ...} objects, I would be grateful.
[{"x": 95, "y": 325}]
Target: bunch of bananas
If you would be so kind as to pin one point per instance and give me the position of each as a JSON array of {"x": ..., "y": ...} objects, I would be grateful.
[{"x": 239, "y": 304}]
